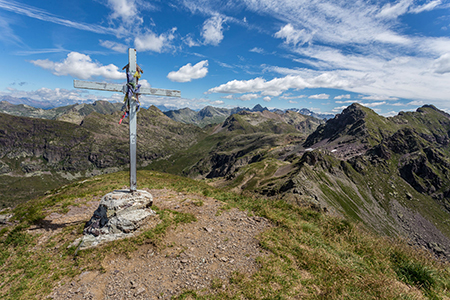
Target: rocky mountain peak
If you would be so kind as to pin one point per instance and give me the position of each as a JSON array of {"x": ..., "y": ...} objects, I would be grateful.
[
  {"x": 258, "y": 107},
  {"x": 351, "y": 122}
]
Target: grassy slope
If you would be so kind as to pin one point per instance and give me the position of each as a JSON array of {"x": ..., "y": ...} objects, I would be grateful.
[
  {"x": 97, "y": 144},
  {"x": 312, "y": 255},
  {"x": 242, "y": 135}
]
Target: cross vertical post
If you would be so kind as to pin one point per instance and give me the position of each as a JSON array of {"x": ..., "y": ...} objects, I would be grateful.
[
  {"x": 132, "y": 67},
  {"x": 133, "y": 133}
]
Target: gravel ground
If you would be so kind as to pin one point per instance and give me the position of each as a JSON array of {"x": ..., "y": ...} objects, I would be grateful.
[{"x": 193, "y": 255}]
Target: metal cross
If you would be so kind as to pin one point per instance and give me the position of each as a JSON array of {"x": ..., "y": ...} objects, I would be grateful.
[{"x": 114, "y": 87}]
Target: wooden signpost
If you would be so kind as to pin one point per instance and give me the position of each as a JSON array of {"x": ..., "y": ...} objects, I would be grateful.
[{"x": 132, "y": 89}]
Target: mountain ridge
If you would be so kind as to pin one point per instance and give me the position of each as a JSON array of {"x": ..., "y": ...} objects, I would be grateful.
[{"x": 352, "y": 164}]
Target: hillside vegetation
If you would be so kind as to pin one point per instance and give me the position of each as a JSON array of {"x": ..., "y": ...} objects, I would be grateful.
[
  {"x": 39, "y": 154},
  {"x": 305, "y": 254},
  {"x": 392, "y": 174}
]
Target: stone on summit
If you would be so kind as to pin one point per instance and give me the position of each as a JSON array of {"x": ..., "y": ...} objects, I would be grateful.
[{"x": 119, "y": 214}]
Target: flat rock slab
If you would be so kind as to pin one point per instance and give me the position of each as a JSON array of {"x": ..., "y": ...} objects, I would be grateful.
[{"x": 119, "y": 214}]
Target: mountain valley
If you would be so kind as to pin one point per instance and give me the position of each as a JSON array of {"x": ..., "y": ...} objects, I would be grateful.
[{"x": 390, "y": 175}]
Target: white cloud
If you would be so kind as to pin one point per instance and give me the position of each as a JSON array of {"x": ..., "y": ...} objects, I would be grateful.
[
  {"x": 248, "y": 97},
  {"x": 118, "y": 47},
  {"x": 392, "y": 38},
  {"x": 257, "y": 50},
  {"x": 390, "y": 114},
  {"x": 37, "y": 13},
  {"x": 125, "y": 10},
  {"x": 7, "y": 35},
  {"x": 374, "y": 104},
  {"x": 227, "y": 97},
  {"x": 416, "y": 103},
  {"x": 288, "y": 96},
  {"x": 189, "y": 40},
  {"x": 212, "y": 31},
  {"x": 80, "y": 66},
  {"x": 267, "y": 99},
  {"x": 379, "y": 98},
  {"x": 278, "y": 85},
  {"x": 188, "y": 72},
  {"x": 152, "y": 42},
  {"x": 426, "y": 7},
  {"x": 442, "y": 64},
  {"x": 144, "y": 83},
  {"x": 217, "y": 102},
  {"x": 293, "y": 36},
  {"x": 347, "y": 101},
  {"x": 393, "y": 11},
  {"x": 60, "y": 97},
  {"x": 271, "y": 93},
  {"x": 347, "y": 96},
  {"x": 319, "y": 96},
  {"x": 292, "y": 101},
  {"x": 45, "y": 94},
  {"x": 338, "y": 109}
]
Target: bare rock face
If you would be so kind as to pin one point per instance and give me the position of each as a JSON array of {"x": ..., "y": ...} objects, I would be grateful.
[{"x": 119, "y": 214}]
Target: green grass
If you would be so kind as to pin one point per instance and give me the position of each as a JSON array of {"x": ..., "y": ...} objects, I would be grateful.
[{"x": 309, "y": 255}]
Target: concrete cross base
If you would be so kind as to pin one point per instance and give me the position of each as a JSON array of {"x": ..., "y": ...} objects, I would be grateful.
[{"x": 119, "y": 215}]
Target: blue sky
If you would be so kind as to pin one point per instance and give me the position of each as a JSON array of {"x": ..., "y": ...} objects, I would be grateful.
[{"x": 322, "y": 55}]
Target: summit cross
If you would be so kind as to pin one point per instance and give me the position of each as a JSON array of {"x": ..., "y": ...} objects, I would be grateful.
[{"x": 132, "y": 90}]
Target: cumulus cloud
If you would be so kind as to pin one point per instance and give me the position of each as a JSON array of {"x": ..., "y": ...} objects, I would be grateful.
[
  {"x": 319, "y": 96},
  {"x": 118, "y": 47},
  {"x": 248, "y": 97},
  {"x": 153, "y": 42},
  {"x": 80, "y": 66},
  {"x": 212, "y": 31},
  {"x": 346, "y": 96},
  {"x": 271, "y": 93},
  {"x": 217, "y": 102},
  {"x": 267, "y": 99},
  {"x": 293, "y": 36},
  {"x": 126, "y": 10},
  {"x": 277, "y": 85},
  {"x": 144, "y": 83},
  {"x": 442, "y": 64},
  {"x": 188, "y": 72}
]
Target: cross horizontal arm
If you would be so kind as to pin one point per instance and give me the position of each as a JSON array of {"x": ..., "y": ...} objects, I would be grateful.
[
  {"x": 116, "y": 87},
  {"x": 102, "y": 86},
  {"x": 159, "y": 92}
]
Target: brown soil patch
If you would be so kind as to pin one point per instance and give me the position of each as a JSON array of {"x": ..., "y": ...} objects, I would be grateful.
[{"x": 199, "y": 256}]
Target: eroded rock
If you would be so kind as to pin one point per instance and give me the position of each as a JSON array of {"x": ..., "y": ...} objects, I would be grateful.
[{"x": 119, "y": 214}]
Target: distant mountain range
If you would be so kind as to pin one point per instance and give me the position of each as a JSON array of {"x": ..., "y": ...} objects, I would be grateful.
[
  {"x": 214, "y": 115},
  {"x": 75, "y": 113},
  {"x": 391, "y": 174}
]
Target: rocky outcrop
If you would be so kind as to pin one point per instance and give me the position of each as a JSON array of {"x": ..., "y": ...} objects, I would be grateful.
[
  {"x": 351, "y": 121},
  {"x": 4, "y": 168},
  {"x": 119, "y": 215}
]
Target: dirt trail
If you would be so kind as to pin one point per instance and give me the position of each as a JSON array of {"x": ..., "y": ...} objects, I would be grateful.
[{"x": 195, "y": 256}]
